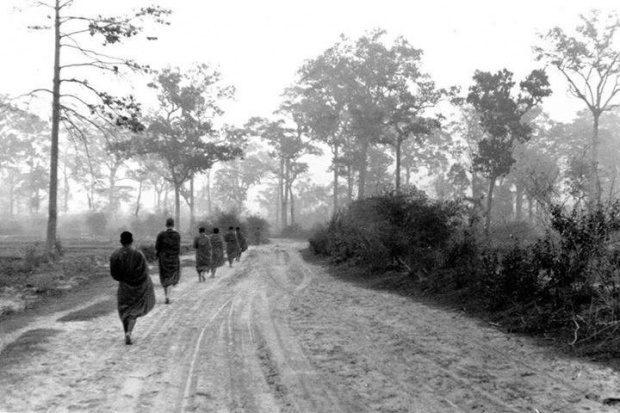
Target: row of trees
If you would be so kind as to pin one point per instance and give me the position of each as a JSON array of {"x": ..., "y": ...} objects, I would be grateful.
[
  {"x": 367, "y": 101},
  {"x": 359, "y": 95}
]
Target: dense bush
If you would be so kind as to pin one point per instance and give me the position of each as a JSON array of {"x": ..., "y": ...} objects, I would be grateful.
[
  {"x": 567, "y": 279},
  {"x": 294, "y": 231},
  {"x": 224, "y": 220},
  {"x": 393, "y": 230},
  {"x": 256, "y": 230},
  {"x": 97, "y": 223},
  {"x": 11, "y": 227},
  {"x": 149, "y": 226}
]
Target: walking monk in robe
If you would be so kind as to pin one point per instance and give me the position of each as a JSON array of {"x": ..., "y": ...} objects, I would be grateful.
[
  {"x": 243, "y": 243},
  {"x": 168, "y": 249},
  {"x": 135, "y": 295},
  {"x": 232, "y": 245},
  {"x": 202, "y": 245},
  {"x": 217, "y": 251}
]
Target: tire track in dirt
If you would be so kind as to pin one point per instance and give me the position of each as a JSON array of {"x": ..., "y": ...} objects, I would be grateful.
[
  {"x": 416, "y": 352},
  {"x": 528, "y": 378},
  {"x": 247, "y": 359},
  {"x": 306, "y": 389},
  {"x": 277, "y": 334}
]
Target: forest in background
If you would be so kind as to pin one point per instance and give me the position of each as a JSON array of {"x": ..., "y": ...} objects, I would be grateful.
[{"x": 366, "y": 104}]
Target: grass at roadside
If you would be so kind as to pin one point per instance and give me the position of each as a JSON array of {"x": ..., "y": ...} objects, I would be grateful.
[{"x": 26, "y": 275}]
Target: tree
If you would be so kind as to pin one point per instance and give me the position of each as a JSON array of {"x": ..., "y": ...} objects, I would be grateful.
[
  {"x": 22, "y": 155},
  {"x": 313, "y": 202},
  {"x": 181, "y": 133},
  {"x": 501, "y": 117},
  {"x": 234, "y": 179},
  {"x": 288, "y": 146},
  {"x": 361, "y": 93},
  {"x": 571, "y": 143},
  {"x": 591, "y": 66},
  {"x": 323, "y": 100},
  {"x": 74, "y": 99}
]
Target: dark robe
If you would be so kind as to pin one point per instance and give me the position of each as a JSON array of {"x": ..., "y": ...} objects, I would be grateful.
[
  {"x": 243, "y": 243},
  {"x": 232, "y": 245},
  {"x": 168, "y": 248},
  {"x": 202, "y": 244},
  {"x": 135, "y": 295},
  {"x": 217, "y": 250}
]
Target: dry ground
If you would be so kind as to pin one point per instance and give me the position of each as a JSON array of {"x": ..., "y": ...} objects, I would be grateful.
[{"x": 276, "y": 333}]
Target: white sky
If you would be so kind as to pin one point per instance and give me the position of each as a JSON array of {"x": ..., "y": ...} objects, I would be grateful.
[{"x": 259, "y": 45}]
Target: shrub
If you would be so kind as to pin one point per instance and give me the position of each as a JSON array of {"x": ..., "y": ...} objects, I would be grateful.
[
  {"x": 256, "y": 230},
  {"x": 294, "y": 231},
  {"x": 11, "y": 227},
  {"x": 393, "y": 230},
  {"x": 149, "y": 226},
  {"x": 224, "y": 220},
  {"x": 97, "y": 223}
]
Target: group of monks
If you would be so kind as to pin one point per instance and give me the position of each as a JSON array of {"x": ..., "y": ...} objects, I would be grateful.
[
  {"x": 210, "y": 249},
  {"x": 128, "y": 266}
]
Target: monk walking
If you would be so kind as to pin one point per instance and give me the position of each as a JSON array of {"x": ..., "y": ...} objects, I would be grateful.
[
  {"x": 243, "y": 243},
  {"x": 168, "y": 249},
  {"x": 202, "y": 245},
  {"x": 232, "y": 245},
  {"x": 217, "y": 250},
  {"x": 135, "y": 295}
]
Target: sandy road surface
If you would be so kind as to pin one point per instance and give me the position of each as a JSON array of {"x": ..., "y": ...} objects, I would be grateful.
[{"x": 277, "y": 334}]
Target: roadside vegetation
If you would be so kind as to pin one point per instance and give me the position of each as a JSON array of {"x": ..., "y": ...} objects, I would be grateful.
[{"x": 562, "y": 283}]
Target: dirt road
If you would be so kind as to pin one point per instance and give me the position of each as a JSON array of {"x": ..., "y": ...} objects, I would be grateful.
[{"x": 278, "y": 334}]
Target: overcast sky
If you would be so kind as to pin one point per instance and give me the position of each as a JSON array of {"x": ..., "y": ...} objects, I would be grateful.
[{"x": 259, "y": 45}]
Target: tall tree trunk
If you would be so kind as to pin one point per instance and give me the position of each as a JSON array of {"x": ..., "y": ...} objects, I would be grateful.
[
  {"x": 363, "y": 166},
  {"x": 209, "y": 205},
  {"x": 595, "y": 181},
  {"x": 166, "y": 202},
  {"x": 53, "y": 187},
  {"x": 157, "y": 200},
  {"x": 292, "y": 201},
  {"x": 139, "y": 198},
  {"x": 399, "y": 143},
  {"x": 335, "y": 165},
  {"x": 350, "y": 183},
  {"x": 192, "y": 215},
  {"x": 489, "y": 207},
  {"x": 518, "y": 202},
  {"x": 177, "y": 206},
  {"x": 283, "y": 196}
]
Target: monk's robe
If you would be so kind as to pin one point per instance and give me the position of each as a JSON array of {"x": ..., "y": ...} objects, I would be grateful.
[
  {"x": 232, "y": 245},
  {"x": 243, "y": 243},
  {"x": 135, "y": 295},
  {"x": 168, "y": 248},
  {"x": 217, "y": 251},
  {"x": 202, "y": 245}
]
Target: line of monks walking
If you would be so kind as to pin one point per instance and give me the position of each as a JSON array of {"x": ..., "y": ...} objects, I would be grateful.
[{"x": 128, "y": 266}]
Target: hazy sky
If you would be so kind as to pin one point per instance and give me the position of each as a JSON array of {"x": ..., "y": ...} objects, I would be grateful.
[{"x": 259, "y": 45}]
